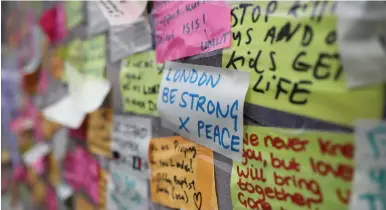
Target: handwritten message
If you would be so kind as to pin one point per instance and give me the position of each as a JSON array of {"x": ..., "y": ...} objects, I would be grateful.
[
  {"x": 99, "y": 132},
  {"x": 186, "y": 28},
  {"x": 140, "y": 79},
  {"x": 121, "y": 12},
  {"x": 204, "y": 104},
  {"x": 290, "y": 48},
  {"x": 369, "y": 186},
  {"x": 182, "y": 174},
  {"x": 282, "y": 170},
  {"x": 126, "y": 191},
  {"x": 130, "y": 143}
]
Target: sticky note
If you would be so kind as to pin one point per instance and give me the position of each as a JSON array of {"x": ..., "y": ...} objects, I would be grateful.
[
  {"x": 86, "y": 94},
  {"x": 99, "y": 131},
  {"x": 185, "y": 28},
  {"x": 88, "y": 56},
  {"x": 126, "y": 191},
  {"x": 294, "y": 62},
  {"x": 182, "y": 174},
  {"x": 362, "y": 42},
  {"x": 51, "y": 202},
  {"x": 36, "y": 153},
  {"x": 53, "y": 23},
  {"x": 288, "y": 169},
  {"x": 64, "y": 191},
  {"x": 140, "y": 79},
  {"x": 130, "y": 143},
  {"x": 205, "y": 105},
  {"x": 53, "y": 170},
  {"x": 369, "y": 184},
  {"x": 129, "y": 39},
  {"x": 81, "y": 203},
  {"x": 81, "y": 171},
  {"x": 96, "y": 22},
  {"x": 122, "y": 12},
  {"x": 59, "y": 144},
  {"x": 74, "y": 13}
]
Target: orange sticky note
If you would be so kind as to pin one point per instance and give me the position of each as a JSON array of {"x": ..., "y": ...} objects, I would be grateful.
[
  {"x": 99, "y": 132},
  {"x": 81, "y": 203},
  {"x": 176, "y": 160}
]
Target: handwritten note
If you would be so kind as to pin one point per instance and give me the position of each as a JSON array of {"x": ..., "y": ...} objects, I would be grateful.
[
  {"x": 74, "y": 13},
  {"x": 369, "y": 185},
  {"x": 99, "y": 132},
  {"x": 129, "y": 39},
  {"x": 121, "y": 12},
  {"x": 283, "y": 169},
  {"x": 182, "y": 174},
  {"x": 295, "y": 63},
  {"x": 186, "y": 28},
  {"x": 140, "y": 78},
  {"x": 126, "y": 191},
  {"x": 204, "y": 104},
  {"x": 130, "y": 143}
]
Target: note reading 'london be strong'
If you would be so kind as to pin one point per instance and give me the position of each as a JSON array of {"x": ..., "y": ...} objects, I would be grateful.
[{"x": 204, "y": 104}]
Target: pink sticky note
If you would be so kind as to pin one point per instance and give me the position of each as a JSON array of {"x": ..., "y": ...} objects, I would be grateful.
[
  {"x": 191, "y": 28},
  {"x": 81, "y": 132},
  {"x": 51, "y": 200},
  {"x": 43, "y": 80},
  {"x": 91, "y": 179},
  {"x": 39, "y": 166},
  {"x": 52, "y": 22},
  {"x": 19, "y": 173}
]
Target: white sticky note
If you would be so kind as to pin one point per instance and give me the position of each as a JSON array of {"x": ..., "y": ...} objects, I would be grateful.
[
  {"x": 369, "y": 184},
  {"x": 96, "y": 22},
  {"x": 131, "y": 135},
  {"x": 86, "y": 94},
  {"x": 59, "y": 144},
  {"x": 64, "y": 191},
  {"x": 129, "y": 39},
  {"x": 122, "y": 12},
  {"x": 35, "y": 153},
  {"x": 65, "y": 113},
  {"x": 205, "y": 104},
  {"x": 361, "y": 36},
  {"x": 125, "y": 191}
]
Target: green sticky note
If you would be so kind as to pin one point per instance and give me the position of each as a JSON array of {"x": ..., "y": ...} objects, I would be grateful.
[
  {"x": 284, "y": 169},
  {"x": 292, "y": 53},
  {"x": 140, "y": 79},
  {"x": 74, "y": 13}
]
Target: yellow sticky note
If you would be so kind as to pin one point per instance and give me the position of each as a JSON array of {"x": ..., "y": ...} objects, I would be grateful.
[
  {"x": 74, "y": 13},
  {"x": 53, "y": 170},
  {"x": 140, "y": 79},
  {"x": 283, "y": 169},
  {"x": 182, "y": 174},
  {"x": 293, "y": 56},
  {"x": 81, "y": 203},
  {"x": 99, "y": 132}
]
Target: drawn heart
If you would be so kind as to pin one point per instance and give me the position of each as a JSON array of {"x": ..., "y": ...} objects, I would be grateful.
[{"x": 197, "y": 197}]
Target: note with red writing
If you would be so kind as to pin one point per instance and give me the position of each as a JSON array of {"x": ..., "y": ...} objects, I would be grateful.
[
  {"x": 283, "y": 169},
  {"x": 182, "y": 174},
  {"x": 186, "y": 28},
  {"x": 369, "y": 185}
]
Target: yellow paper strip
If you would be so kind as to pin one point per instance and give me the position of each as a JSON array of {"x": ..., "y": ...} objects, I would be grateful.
[{"x": 290, "y": 48}]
